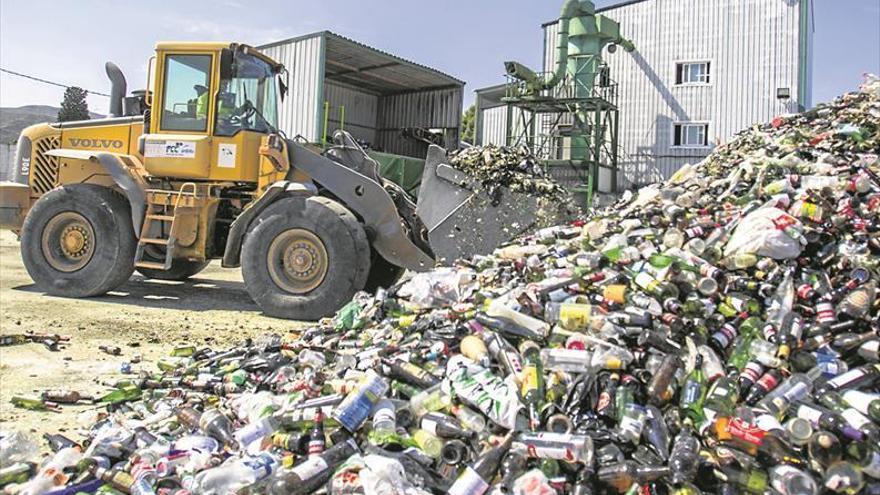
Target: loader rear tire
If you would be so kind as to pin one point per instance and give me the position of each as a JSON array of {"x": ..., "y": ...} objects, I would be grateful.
[
  {"x": 304, "y": 258},
  {"x": 78, "y": 241},
  {"x": 180, "y": 269}
]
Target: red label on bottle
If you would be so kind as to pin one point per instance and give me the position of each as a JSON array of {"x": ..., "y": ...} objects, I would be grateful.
[
  {"x": 752, "y": 371},
  {"x": 825, "y": 312},
  {"x": 746, "y": 432},
  {"x": 768, "y": 381},
  {"x": 783, "y": 222},
  {"x": 805, "y": 291}
]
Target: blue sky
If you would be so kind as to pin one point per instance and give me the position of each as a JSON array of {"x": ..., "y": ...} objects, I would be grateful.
[{"x": 69, "y": 41}]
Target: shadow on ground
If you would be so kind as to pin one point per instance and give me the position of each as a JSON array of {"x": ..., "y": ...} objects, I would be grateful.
[{"x": 196, "y": 294}]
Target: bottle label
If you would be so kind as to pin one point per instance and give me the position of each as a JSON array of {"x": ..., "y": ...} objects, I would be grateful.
[
  {"x": 574, "y": 316},
  {"x": 843, "y": 380},
  {"x": 859, "y": 400},
  {"x": 261, "y": 466},
  {"x": 752, "y": 371},
  {"x": 514, "y": 362},
  {"x": 855, "y": 419},
  {"x": 825, "y": 313},
  {"x": 469, "y": 483},
  {"x": 414, "y": 370},
  {"x": 691, "y": 393},
  {"x": 646, "y": 282},
  {"x": 548, "y": 445},
  {"x": 797, "y": 392},
  {"x": 810, "y": 414},
  {"x": 604, "y": 402},
  {"x": 768, "y": 381},
  {"x": 529, "y": 379},
  {"x": 384, "y": 415},
  {"x": 745, "y": 432},
  {"x": 252, "y": 433},
  {"x": 356, "y": 406},
  {"x": 312, "y": 467},
  {"x": 429, "y": 425}
]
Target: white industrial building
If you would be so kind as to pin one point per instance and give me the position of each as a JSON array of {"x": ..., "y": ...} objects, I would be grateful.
[
  {"x": 336, "y": 82},
  {"x": 702, "y": 70}
]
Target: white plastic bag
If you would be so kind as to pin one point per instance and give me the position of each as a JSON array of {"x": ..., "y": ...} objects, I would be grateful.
[
  {"x": 767, "y": 232},
  {"x": 386, "y": 476}
]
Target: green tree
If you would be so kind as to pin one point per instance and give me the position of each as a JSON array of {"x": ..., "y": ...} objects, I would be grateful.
[
  {"x": 468, "y": 121},
  {"x": 74, "y": 106}
]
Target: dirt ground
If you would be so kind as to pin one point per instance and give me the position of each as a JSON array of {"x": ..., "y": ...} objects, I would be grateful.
[{"x": 144, "y": 317}]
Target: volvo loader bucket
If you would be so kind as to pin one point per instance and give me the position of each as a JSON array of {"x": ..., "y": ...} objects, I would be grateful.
[{"x": 461, "y": 219}]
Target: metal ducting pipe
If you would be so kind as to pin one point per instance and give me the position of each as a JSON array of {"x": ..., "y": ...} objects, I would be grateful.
[
  {"x": 117, "y": 88},
  {"x": 570, "y": 10}
]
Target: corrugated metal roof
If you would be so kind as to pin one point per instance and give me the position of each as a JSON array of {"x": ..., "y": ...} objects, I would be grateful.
[{"x": 351, "y": 62}]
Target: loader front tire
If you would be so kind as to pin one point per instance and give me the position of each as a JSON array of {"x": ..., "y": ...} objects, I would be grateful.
[
  {"x": 304, "y": 258},
  {"x": 78, "y": 241}
]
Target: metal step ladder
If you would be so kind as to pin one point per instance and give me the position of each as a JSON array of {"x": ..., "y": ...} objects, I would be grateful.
[{"x": 163, "y": 207}]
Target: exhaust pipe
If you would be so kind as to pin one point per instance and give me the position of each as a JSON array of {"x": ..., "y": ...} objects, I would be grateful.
[{"x": 117, "y": 88}]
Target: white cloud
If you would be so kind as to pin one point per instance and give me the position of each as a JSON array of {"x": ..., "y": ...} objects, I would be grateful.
[{"x": 207, "y": 30}]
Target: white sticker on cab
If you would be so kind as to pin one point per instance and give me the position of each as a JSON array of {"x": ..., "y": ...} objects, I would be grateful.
[
  {"x": 170, "y": 149},
  {"x": 226, "y": 156}
]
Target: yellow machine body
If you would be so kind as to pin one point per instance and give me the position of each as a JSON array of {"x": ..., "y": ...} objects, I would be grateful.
[{"x": 181, "y": 167}]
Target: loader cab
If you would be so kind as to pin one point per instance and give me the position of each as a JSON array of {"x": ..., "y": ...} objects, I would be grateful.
[{"x": 213, "y": 104}]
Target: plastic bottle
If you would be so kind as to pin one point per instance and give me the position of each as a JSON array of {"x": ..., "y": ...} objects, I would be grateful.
[{"x": 561, "y": 446}]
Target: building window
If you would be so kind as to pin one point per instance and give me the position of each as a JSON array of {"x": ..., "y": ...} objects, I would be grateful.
[
  {"x": 692, "y": 73},
  {"x": 691, "y": 135}
]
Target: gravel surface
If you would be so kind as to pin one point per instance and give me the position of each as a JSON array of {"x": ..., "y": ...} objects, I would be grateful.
[{"x": 144, "y": 317}]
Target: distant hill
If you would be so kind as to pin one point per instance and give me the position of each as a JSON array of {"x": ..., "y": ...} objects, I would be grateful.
[{"x": 13, "y": 120}]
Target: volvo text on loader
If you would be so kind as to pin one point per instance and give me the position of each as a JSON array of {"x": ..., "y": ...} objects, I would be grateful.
[{"x": 194, "y": 169}]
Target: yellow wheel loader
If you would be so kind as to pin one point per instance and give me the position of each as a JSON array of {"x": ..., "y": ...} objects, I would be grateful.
[{"x": 194, "y": 169}]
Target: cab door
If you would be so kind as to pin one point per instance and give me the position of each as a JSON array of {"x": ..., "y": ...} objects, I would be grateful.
[
  {"x": 243, "y": 96},
  {"x": 179, "y": 144}
]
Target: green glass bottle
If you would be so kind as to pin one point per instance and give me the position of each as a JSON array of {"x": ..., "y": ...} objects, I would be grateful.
[
  {"x": 751, "y": 481},
  {"x": 740, "y": 355},
  {"x": 30, "y": 404},
  {"x": 722, "y": 396},
  {"x": 532, "y": 389},
  {"x": 121, "y": 395},
  {"x": 693, "y": 392}
]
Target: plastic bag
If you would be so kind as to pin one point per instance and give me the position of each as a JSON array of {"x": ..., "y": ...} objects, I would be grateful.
[
  {"x": 442, "y": 286},
  {"x": 17, "y": 446},
  {"x": 533, "y": 482},
  {"x": 386, "y": 476},
  {"x": 767, "y": 232}
]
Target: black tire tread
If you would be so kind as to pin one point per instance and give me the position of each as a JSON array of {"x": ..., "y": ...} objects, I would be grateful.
[
  {"x": 347, "y": 247},
  {"x": 113, "y": 261}
]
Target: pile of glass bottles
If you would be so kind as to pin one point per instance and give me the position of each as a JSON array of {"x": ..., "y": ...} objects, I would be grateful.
[{"x": 717, "y": 333}]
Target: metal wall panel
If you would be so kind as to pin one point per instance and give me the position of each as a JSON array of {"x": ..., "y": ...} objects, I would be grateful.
[
  {"x": 493, "y": 123},
  {"x": 360, "y": 111},
  {"x": 299, "y": 113},
  {"x": 435, "y": 109},
  {"x": 7, "y": 161},
  {"x": 432, "y": 109},
  {"x": 753, "y": 49}
]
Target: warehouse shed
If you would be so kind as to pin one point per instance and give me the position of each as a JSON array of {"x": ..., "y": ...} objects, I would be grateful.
[
  {"x": 381, "y": 99},
  {"x": 702, "y": 70}
]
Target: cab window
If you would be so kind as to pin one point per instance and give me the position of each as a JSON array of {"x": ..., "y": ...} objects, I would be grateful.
[
  {"x": 247, "y": 97},
  {"x": 187, "y": 79}
]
